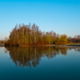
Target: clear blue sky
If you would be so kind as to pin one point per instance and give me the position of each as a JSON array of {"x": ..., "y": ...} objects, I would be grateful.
[{"x": 61, "y": 16}]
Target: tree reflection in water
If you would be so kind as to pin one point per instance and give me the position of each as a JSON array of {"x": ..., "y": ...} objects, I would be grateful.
[{"x": 31, "y": 56}]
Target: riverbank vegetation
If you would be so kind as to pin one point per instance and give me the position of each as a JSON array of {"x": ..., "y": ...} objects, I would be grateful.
[{"x": 31, "y": 35}]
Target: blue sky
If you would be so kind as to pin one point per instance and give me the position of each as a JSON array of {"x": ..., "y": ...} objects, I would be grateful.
[{"x": 61, "y": 16}]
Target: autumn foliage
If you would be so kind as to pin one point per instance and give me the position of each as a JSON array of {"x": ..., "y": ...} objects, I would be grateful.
[{"x": 31, "y": 35}]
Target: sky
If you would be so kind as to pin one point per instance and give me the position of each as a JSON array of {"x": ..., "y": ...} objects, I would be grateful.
[{"x": 61, "y": 16}]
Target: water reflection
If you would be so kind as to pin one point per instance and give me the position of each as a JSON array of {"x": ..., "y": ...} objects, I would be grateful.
[{"x": 31, "y": 56}]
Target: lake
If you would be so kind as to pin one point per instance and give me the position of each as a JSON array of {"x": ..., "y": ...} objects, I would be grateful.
[{"x": 40, "y": 63}]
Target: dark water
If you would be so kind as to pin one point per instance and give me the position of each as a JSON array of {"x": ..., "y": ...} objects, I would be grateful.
[{"x": 40, "y": 63}]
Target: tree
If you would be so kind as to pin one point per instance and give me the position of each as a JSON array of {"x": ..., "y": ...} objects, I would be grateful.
[
  {"x": 49, "y": 37},
  {"x": 63, "y": 39}
]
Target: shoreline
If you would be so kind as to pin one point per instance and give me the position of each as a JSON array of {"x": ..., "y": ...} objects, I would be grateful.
[{"x": 76, "y": 45}]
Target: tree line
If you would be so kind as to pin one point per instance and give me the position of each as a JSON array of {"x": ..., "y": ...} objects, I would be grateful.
[
  {"x": 75, "y": 39},
  {"x": 31, "y": 35}
]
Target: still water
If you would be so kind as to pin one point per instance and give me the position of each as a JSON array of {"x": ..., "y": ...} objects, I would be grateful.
[{"x": 40, "y": 63}]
